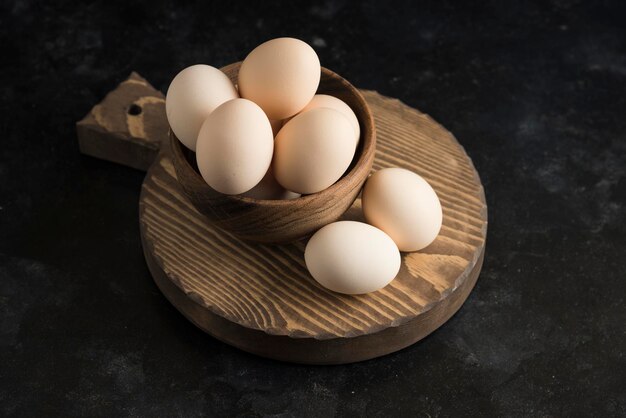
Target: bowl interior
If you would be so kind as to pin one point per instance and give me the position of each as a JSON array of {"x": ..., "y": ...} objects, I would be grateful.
[{"x": 332, "y": 85}]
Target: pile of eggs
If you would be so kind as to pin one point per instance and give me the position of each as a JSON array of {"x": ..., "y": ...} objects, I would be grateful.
[
  {"x": 273, "y": 137},
  {"x": 272, "y": 118},
  {"x": 403, "y": 213}
]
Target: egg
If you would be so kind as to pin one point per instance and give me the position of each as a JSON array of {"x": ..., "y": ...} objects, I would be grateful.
[
  {"x": 352, "y": 257},
  {"x": 313, "y": 150},
  {"x": 192, "y": 95},
  {"x": 331, "y": 102},
  {"x": 269, "y": 189},
  {"x": 281, "y": 76},
  {"x": 404, "y": 205},
  {"x": 235, "y": 146}
]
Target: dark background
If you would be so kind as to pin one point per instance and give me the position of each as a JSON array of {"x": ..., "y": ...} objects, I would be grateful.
[{"x": 535, "y": 91}]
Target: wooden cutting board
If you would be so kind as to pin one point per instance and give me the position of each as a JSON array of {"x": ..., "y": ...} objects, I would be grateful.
[{"x": 260, "y": 298}]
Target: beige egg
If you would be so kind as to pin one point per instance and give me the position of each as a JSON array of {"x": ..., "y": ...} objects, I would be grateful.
[
  {"x": 269, "y": 189},
  {"x": 235, "y": 146},
  {"x": 331, "y": 102},
  {"x": 404, "y": 205},
  {"x": 352, "y": 257},
  {"x": 313, "y": 150},
  {"x": 281, "y": 76},
  {"x": 192, "y": 95}
]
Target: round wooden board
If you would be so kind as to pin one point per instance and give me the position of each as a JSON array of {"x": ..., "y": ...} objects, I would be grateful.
[{"x": 261, "y": 299}]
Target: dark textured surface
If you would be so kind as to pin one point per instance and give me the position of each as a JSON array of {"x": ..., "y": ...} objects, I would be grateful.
[{"x": 535, "y": 93}]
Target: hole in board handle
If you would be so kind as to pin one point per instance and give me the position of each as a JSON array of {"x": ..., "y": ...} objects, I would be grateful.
[{"x": 134, "y": 110}]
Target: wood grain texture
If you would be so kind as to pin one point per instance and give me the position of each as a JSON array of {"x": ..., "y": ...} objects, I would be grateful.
[
  {"x": 127, "y": 127},
  {"x": 261, "y": 298},
  {"x": 311, "y": 350},
  {"x": 282, "y": 220}
]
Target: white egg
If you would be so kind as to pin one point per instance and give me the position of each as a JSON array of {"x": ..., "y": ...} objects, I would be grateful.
[
  {"x": 352, "y": 257},
  {"x": 235, "y": 147},
  {"x": 404, "y": 205},
  {"x": 193, "y": 94}
]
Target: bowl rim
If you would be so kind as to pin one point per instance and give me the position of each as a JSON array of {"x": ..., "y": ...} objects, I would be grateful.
[{"x": 368, "y": 148}]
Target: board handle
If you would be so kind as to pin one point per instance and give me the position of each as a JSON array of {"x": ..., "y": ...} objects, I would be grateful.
[{"x": 127, "y": 127}]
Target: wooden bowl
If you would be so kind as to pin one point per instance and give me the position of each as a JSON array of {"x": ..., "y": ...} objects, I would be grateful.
[{"x": 278, "y": 221}]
